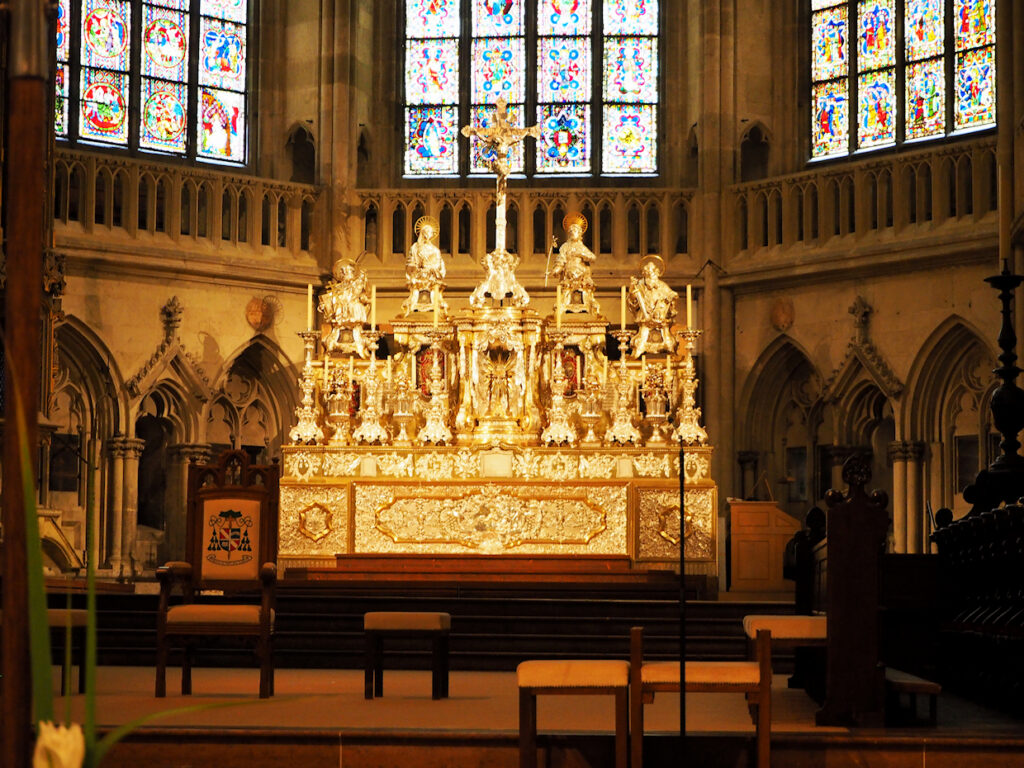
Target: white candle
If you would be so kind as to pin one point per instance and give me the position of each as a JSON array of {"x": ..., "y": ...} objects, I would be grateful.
[
  {"x": 412, "y": 369},
  {"x": 558, "y": 307},
  {"x": 643, "y": 368},
  {"x": 622, "y": 309},
  {"x": 309, "y": 307},
  {"x": 689, "y": 307},
  {"x": 437, "y": 308},
  {"x": 351, "y": 369},
  {"x": 327, "y": 370},
  {"x": 604, "y": 371},
  {"x": 668, "y": 369},
  {"x": 373, "y": 308}
]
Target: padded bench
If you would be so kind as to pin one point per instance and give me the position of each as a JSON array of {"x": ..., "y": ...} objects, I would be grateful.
[
  {"x": 898, "y": 683},
  {"x": 752, "y": 678},
  {"x": 572, "y": 678},
  {"x": 378, "y": 625}
]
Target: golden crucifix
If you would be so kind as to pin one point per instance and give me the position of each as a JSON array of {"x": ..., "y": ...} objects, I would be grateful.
[{"x": 499, "y": 137}]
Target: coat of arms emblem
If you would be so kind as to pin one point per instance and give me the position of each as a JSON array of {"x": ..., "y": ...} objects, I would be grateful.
[{"x": 229, "y": 542}]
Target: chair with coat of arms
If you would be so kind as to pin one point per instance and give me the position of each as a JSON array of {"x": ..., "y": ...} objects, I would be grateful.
[{"x": 228, "y": 582}]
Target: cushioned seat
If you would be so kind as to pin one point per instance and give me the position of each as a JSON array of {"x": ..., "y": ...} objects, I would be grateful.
[
  {"x": 573, "y": 674},
  {"x": 434, "y": 625},
  {"x": 406, "y": 621},
  {"x": 571, "y": 677},
  {"x": 784, "y": 627},
  {"x": 200, "y": 613}
]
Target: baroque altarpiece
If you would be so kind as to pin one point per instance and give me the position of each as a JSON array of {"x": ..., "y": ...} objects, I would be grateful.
[{"x": 497, "y": 429}]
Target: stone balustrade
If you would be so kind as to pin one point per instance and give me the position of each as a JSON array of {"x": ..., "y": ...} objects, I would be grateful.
[
  {"x": 879, "y": 195},
  {"x": 191, "y": 206}
]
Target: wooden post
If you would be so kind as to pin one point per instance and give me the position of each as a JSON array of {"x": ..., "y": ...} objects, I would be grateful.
[{"x": 28, "y": 125}]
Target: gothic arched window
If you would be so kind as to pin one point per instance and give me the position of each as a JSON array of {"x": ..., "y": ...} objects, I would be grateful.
[
  {"x": 585, "y": 71},
  {"x": 885, "y": 72},
  {"x": 164, "y": 76}
]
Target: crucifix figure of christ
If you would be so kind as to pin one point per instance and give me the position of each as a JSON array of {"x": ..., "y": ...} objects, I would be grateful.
[{"x": 499, "y": 137}]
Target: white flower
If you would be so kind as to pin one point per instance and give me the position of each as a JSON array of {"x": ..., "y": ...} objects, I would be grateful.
[{"x": 59, "y": 746}]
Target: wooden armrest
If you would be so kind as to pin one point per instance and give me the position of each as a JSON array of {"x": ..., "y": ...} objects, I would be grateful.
[
  {"x": 268, "y": 573},
  {"x": 174, "y": 570}
]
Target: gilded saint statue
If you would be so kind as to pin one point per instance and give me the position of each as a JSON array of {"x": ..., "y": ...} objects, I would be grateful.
[
  {"x": 497, "y": 139},
  {"x": 654, "y": 305},
  {"x": 344, "y": 306},
  {"x": 572, "y": 266},
  {"x": 425, "y": 270}
]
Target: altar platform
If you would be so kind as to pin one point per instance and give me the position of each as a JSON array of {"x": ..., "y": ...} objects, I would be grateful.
[{"x": 320, "y": 718}]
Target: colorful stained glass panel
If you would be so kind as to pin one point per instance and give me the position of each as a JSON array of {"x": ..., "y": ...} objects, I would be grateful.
[
  {"x": 631, "y": 17},
  {"x": 222, "y": 54},
  {"x": 876, "y": 35},
  {"x": 974, "y": 23},
  {"x": 432, "y": 72},
  {"x": 106, "y": 32},
  {"x": 431, "y": 141},
  {"x": 164, "y": 43},
  {"x": 829, "y": 44},
  {"x": 975, "y": 88},
  {"x": 564, "y": 144},
  {"x": 62, "y": 30},
  {"x": 104, "y": 106},
  {"x": 926, "y": 99},
  {"x": 497, "y": 69},
  {"x": 630, "y": 69},
  {"x": 563, "y": 69},
  {"x": 830, "y": 119},
  {"x": 817, "y": 5},
  {"x": 60, "y": 104},
  {"x": 221, "y": 125},
  {"x": 178, "y": 5},
  {"x": 630, "y": 137},
  {"x": 497, "y": 18},
  {"x": 164, "y": 115},
  {"x": 232, "y": 10},
  {"x": 479, "y": 156},
  {"x": 563, "y": 17},
  {"x": 923, "y": 30},
  {"x": 876, "y": 109},
  {"x": 432, "y": 18}
]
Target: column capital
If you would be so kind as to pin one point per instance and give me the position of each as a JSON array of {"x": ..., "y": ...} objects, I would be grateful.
[
  {"x": 906, "y": 450},
  {"x": 123, "y": 447},
  {"x": 190, "y": 453}
]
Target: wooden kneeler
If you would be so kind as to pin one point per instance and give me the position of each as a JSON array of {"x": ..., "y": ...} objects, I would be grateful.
[{"x": 753, "y": 678}]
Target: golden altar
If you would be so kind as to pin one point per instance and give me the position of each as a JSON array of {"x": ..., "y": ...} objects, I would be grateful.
[{"x": 494, "y": 429}]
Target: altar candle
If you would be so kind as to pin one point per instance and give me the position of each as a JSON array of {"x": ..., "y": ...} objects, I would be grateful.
[
  {"x": 643, "y": 368},
  {"x": 309, "y": 307},
  {"x": 389, "y": 369},
  {"x": 351, "y": 369},
  {"x": 373, "y": 308},
  {"x": 327, "y": 370},
  {"x": 437, "y": 308},
  {"x": 622, "y": 309},
  {"x": 689, "y": 307},
  {"x": 604, "y": 371},
  {"x": 668, "y": 369},
  {"x": 412, "y": 369},
  {"x": 558, "y": 307}
]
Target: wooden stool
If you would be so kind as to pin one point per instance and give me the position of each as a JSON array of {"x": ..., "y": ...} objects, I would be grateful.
[
  {"x": 380, "y": 624},
  {"x": 571, "y": 678}
]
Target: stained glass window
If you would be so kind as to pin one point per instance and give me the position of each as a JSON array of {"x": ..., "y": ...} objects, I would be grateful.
[
  {"x": 630, "y": 87},
  {"x": 594, "y": 100},
  {"x": 135, "y": 81},
  {"x": 892, "y": 104}
]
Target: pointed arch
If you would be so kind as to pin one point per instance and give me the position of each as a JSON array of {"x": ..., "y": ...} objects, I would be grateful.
[{"x": 782, "y": 362}]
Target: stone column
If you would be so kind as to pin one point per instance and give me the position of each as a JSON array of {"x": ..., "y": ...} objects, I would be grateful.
[
  {"x": 936, "y": 484},
  {"x": 132, "y": 452},
  {"x": 748, "y": 471},
  {"x": 898, "y": 453},
  {"x": 93, "y": 454},
  {"x": 179, "y": 457},
  {"x": 916, "y": 525},
  {"x": 117, "y": 454}
]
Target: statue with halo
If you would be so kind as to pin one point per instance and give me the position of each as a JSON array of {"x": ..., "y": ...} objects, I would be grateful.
[
  {"x": 654, "y": 305},
  {"x": 425, "y": 270},
  {"x": 572, "y": 266}
]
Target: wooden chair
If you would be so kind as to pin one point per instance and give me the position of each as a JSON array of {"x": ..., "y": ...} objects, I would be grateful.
[
  {"x": 752, "y": 678},
  {"x": 231, "y": 544}
]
